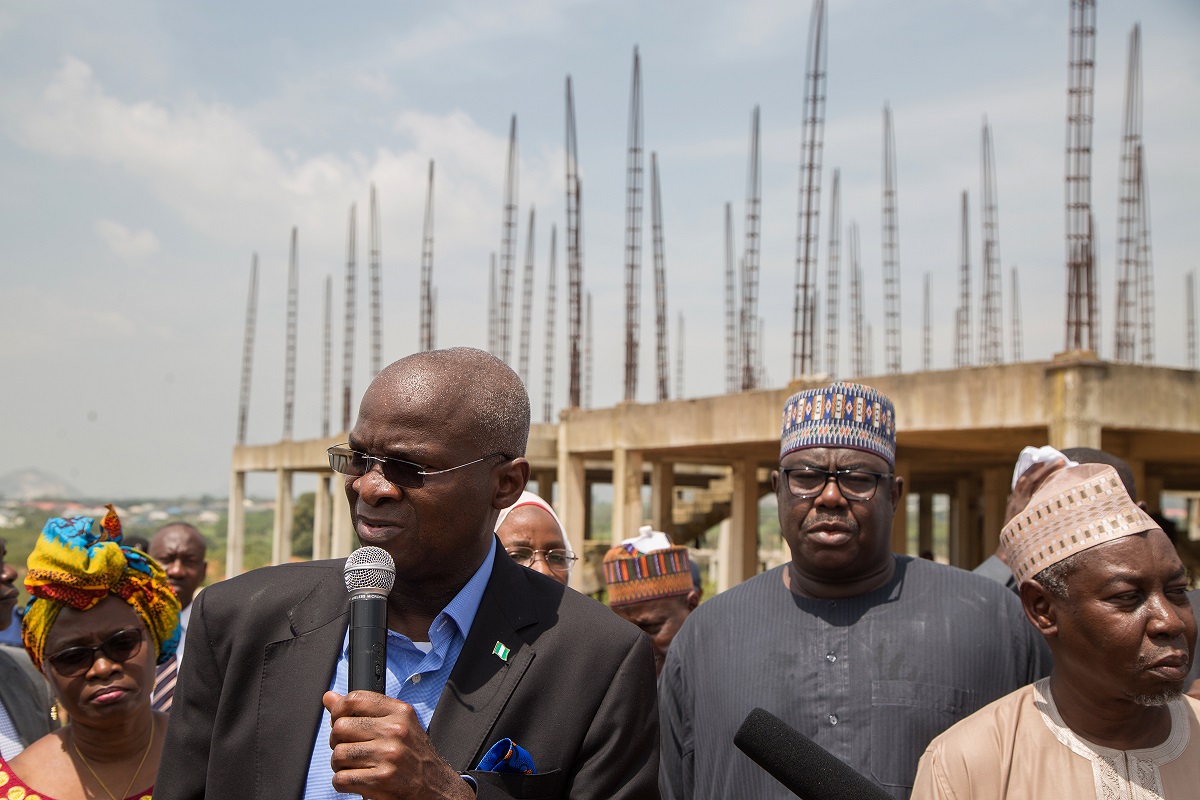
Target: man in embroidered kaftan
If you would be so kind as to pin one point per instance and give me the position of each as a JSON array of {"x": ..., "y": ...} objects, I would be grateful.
[{"x": 1105, "y": 587}]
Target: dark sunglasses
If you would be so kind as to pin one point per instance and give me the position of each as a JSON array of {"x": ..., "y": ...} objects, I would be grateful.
[
  {"x": 404, "y": 474},
  {"x": 118, "y": 648}
]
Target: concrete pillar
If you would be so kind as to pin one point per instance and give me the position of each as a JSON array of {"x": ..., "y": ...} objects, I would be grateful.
[
  {"x": 739, "y": 540},
  {"x": 662, "y": 497},
  {"x": 235, "y": 531},
  {"x": 925, "y": 523},
  {"x": 1074, "y": 388},
  {"x": 545, "y": 484},
  {"x": 343, "y": 539},
  {"x": 572, "y": 504},
  {"x": 1138, "y": 468},
  {"x": 281, "y": 535},
  {"x": 996, "y": 483},
  {"x": 961, "y": 522},
  {"x": 1152, "y": 493},
  {"x": 627, "y": 513},
  {"x": 900, "y": 518},
  {"x": 321, "y": 530}
]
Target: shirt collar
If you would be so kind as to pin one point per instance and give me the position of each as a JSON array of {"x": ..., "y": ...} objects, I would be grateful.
[
  {"x": 462, "y": 608},
  {"x": 465, "y": 605}
]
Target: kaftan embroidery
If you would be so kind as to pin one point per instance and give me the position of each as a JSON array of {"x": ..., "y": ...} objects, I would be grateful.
[{"x": 1119, "y": 774}]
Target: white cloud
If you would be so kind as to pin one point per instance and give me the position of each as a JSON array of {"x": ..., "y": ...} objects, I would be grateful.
[{"x": 127, "y": 244}]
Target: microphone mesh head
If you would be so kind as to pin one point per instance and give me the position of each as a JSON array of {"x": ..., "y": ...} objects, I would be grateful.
[{"x": 370, "y": 569}]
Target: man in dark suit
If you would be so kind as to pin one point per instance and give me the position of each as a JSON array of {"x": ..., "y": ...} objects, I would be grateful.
[
  {"x": 24, "y": 694},
  {"x": 261, "y": 710}
]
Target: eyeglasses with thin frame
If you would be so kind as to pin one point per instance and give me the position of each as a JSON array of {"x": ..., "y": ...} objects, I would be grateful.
[
  {"x": 556, "y": 559},
  {"x": 118, "y": 648},
  {"x": 405, "y": 474},
  {"x": 854, "y": 484}
]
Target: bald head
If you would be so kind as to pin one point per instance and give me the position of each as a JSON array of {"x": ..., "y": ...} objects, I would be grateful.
[{"x": 491, "y": 397}]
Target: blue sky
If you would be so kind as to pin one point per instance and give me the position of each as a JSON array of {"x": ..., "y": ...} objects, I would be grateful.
[{"x": 148, "y": 149}]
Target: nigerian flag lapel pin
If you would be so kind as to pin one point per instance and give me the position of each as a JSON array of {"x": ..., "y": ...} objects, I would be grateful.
[{"x": 501, "y": 651}]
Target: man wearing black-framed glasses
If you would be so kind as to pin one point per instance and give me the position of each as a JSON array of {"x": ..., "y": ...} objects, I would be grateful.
[
  {"x": 866, "y": 652},
  {"x": 481, "y": 652}
]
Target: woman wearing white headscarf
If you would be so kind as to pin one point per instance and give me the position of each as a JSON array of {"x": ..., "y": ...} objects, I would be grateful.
[{"x": 532, "y": 534}]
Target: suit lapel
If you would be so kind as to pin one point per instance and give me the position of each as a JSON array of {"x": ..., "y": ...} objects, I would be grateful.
[
  {"x": 20, "y": 702},
  {"x": 296, "y": 669},
  {"x": 482, "y": 681}
]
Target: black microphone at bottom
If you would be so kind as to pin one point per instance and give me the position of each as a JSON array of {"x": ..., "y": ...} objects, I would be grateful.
[
  {"x": 370, "y": 573},
  {"x": 808, "y": 770}
]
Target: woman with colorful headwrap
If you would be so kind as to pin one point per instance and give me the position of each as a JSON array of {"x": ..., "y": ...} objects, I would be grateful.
[{"x": 102, "y": 616}]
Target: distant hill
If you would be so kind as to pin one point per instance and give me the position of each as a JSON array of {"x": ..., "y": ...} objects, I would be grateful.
[{"x": 31, "y": 484}]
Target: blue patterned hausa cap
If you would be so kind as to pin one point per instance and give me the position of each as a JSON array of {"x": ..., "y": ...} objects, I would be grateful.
[{"x": 848, "y": 415}]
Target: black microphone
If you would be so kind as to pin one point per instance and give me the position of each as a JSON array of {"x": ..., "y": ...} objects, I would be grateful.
[
  {"x": 808, "y": 770},
  {"x": 370, "y": 573}
]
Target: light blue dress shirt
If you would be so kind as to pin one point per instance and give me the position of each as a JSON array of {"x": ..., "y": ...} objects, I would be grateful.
[{"x": 414, "y": 676}]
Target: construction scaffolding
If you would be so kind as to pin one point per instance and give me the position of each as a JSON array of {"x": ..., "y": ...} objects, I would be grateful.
[
  {"x": 1018, "y": 331},
  {"x": 349, "y": 310},
  {"x": 679, "y": 360},
  {"x": 327, "y": 358},
  {"x": 633, "y": 233},
  {"x": 858, "y": 364},
  {"x": 526, "y": 304},
  {"x": 574, "y": 254},
  {"x": 1135, "y": 282},
  {"x": 508, "y": 246},
  {"x": 1082, "y": 314},
  {"x": 732, "y": 371},
  {"x": 991, "y": 349},
  {"x": 962, "y": 340},
  {"x": 803, "y": 322},
  {"x": 832, "y": 278},
  {"x": 891, "y": 249},
  {"x": 750, "y": 355},
  {"x": 248, "y": 351},
  {"x": 289, "y": 371},
  {"x": 428, "y": 341},
  {"x": 376, "y": 256},
  {"x": 551, "y": 308},
  {"x": 662, "y": 360}
]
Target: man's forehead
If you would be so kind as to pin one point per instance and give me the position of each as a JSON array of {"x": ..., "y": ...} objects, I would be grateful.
[
  {"x": 842, "y": 456},
  {"x": 1127, "y": 559}
]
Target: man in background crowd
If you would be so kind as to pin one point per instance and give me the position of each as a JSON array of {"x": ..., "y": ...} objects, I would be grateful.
[
  {"x": 1103, "y": 584},
  {"x": 181, "y": 551},
  {"x": 25, "y": 701},
  {"x": 868, "y": 653},
  {"x": 649, "y": 582}
]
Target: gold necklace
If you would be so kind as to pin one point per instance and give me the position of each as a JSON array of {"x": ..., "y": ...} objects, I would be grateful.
[{"x": 136, "y": 772}]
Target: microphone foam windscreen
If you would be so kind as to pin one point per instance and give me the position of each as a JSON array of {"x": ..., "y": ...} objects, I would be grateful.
[
  {"x": 803, "y": 766},
  {"x": 370, "y": 568}
]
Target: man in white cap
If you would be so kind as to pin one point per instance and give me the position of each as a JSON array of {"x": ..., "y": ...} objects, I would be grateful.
[
  {"x": 868, "y": 653},
  {"x": 1103, "y": 584}
]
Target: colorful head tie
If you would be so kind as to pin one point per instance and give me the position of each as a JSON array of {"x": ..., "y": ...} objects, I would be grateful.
[
  {"x": 843, "y": 415},
  {"x": 1076, "y": 508},
  {"x": 647, "y": 567},
  {"x": 77, "y": 563}
]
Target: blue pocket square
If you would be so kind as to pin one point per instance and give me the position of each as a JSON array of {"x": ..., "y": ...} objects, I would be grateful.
[{"x": 507, "y": 756}]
